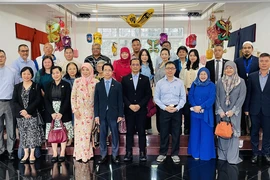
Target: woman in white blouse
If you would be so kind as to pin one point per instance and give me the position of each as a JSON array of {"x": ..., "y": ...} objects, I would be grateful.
[{"x": 188, "y": 75}]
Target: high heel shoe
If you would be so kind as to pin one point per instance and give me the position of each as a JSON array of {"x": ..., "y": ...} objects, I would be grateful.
[
  {"x": 23, "y": 161},
  {"x": 32, "y": 161}
]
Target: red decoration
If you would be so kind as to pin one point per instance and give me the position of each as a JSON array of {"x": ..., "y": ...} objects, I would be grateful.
[{"x": 36, "y": 38}]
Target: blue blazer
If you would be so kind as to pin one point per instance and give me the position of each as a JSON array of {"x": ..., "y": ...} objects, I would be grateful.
[
  {"x": 241, "y": 67},
  {"x": 114, "y": 101},
  {"x": 257, "y": 99}
]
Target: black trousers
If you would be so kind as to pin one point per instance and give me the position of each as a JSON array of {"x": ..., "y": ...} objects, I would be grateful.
[
  {"x": 260, "y": 121},
  {"x": 186, "y": 113},
  {"x": 158, "y": 119},
  {"x": 135, "y": 121},
  {"x": 170, "y": 122}
]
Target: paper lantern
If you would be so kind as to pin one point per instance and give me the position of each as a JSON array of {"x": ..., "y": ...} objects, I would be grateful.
[
  {"x": 163, "y": 37},
  {"x": 89, "y": 38},
  {"x": 98, "y": 38}
]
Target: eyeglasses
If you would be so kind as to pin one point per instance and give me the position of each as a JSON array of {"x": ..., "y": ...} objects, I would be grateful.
[
  {"x": 135, "y": 64},
  {"x": 24, "y": 51},
  {"x": 170, "y": 69},
  {"x": 95, "y": 48}
]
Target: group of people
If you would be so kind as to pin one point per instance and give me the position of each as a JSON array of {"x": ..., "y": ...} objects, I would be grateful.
[{"x": 81, "y": 95}]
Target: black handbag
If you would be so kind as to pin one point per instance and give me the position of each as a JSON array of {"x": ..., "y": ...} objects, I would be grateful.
[
  {"x": 40, "y": 121},
  {"x": 95, "y": 136}
]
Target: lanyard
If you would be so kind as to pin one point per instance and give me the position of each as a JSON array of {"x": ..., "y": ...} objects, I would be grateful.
[{"x": 247, "y": 65}]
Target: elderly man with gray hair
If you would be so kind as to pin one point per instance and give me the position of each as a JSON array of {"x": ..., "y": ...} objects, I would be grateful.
[{"x": 96, "y": 56}]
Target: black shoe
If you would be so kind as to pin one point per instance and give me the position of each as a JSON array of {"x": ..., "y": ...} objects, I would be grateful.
[
  {"x": 186, "y": 132},
  {"x": 11, "y": 156},
  {"x": 102, "y": 160},
  {"x": 254, "y": 159},
  {"x": 142, "y": 157},
  {"x": 24, "y": 161},
  {"x": 267, "y": 159},
  {"x": 32, "y": 161},
  {"x": 116, "y": 159},
  {"x": 128, "y": 157},
  {"x": 61, "y": 158},
  {"x": 54, "y": 159}
]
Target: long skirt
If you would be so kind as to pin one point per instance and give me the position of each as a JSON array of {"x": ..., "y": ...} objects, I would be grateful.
[
  {"x": 201, "y": 140},
  {"x": 31, "y": 134}
]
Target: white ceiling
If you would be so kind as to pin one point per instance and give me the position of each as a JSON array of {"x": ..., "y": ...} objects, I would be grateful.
[{"x": 112, "y": 12}]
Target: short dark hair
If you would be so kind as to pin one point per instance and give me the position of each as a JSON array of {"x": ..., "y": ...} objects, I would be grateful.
[
  {"x": 264, "y": 55},
  {"x": 136, "y": 39},
  {"x": 67, "y": 49},
  {"x": 56, "y": 67},
  {"x": 2, "y": 51},
  {"x": 21, "y": 45},
  {"x": 107, "y": 64},
  {"x": 184, "y": 48},
  {"x": 78, "y": 74},
  {"x": 29, "y": 69},
  {"x": 169, "y": 62},
  {"x": 166, "y": 42},
  {"x": 136, "y": 59}
]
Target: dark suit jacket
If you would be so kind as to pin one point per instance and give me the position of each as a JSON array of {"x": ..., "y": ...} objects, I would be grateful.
[
  {"x": 65, "y": 108},
  {"x": 257, "y": 99},
  {"x": 210, "y": 65},
  {"x": 140, "y": 96},
  {"x": 114, "y": 101},
  {"x": 241, "y": 67},
  {"x": 34, "y": 100}
]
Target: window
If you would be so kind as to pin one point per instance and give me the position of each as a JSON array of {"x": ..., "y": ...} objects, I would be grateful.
[{"x": 124, "y": 36}]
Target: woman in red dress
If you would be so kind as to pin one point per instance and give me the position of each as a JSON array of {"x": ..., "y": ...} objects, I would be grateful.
[{"x": 122, "y": 66}]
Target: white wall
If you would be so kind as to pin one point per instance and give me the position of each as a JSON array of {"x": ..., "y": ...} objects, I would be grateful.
[
  {"x": 9, "y": 15},
  {"x": 260, "y": 15}
]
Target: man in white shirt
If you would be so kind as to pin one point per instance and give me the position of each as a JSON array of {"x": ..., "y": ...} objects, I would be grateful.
[
  {"x": 216, "y": 66},
  {"x": 48, "y": 51},
  {"x": 69, "y": 55}
]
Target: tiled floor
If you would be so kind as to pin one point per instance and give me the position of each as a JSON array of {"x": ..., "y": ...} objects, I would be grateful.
[{"x": 189, "y": 168}]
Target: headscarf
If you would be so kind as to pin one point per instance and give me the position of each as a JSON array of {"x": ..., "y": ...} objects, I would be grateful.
[
  {"x": 87, "y": 80},
  {"x": 198, "y": 82},
  {"x": 230, "y": 82},
  {"x": 125, "y": 61}
]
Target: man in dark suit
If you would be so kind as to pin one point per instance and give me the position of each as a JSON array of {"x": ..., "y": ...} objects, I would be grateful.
[
  {"x": 136, "y": 94},
  {"x": 246, "y": 65},
  {"x": 216, "y": 66},
  {"x": 257, "y": 106},
  {"x": 108, "y": 109}
]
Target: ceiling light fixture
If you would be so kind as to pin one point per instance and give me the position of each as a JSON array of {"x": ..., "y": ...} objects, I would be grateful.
[
  {"x": 182, "y": 9},
  {"x": 94, "y": 10}
]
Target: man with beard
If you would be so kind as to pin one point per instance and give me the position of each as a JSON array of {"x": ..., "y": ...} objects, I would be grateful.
[{"x": 245, "y": 65}]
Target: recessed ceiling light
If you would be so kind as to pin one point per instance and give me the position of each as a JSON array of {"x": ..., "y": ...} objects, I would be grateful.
[
  {"x": 94, "y": 11},
  {"x": 182, "y": 9}
]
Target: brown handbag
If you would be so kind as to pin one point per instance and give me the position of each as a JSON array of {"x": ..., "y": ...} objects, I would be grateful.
[
  {"x": 57, "y": 135},
  {"x": 224, "y": 129}
]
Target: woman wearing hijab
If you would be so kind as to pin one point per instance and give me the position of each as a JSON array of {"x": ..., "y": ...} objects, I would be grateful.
[
  {"x": 82, "y": 102},
  {"x": 122, "y": 66},
  {"x": 231, "y": 93},
  {"x": 201, "y": 97}
]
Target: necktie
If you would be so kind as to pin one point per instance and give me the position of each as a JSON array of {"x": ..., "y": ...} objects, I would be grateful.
[
  {"x": 217, "y": 70},
  {"x": 107, "y": 87},
  {"x": 135, "y": 81}
]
